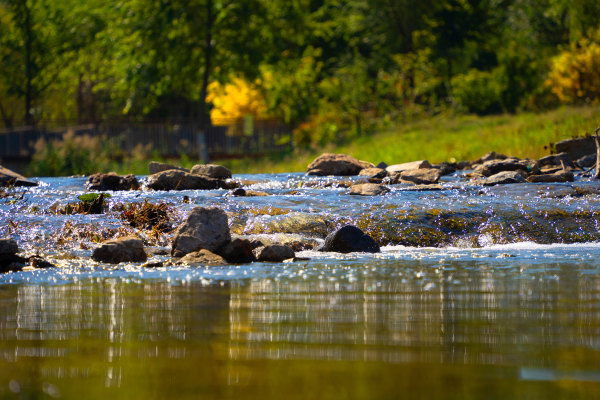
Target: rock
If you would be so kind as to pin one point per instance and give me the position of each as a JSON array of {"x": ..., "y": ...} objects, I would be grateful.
[
  {"x": 37, "y": 262},
  {"x": 202, "y": 257},
  {"x": 311, "y": 224},
  {"x": 577, "y": 147},
  {"x": 446, "y": 168},
  {"x": 397, "y": 168},
  {"x": 493, "y": 167},
  {"x": 205, "y": 228},
  {"x": 248, "y": 193},
  {"x": 423, "y": 188},
  {"x": 181, "y": 180},
  {"x": 156, "y": 167},
  {"x": 211, "y": 171},
  {"x": 350, "y": 239},
  {"x": 560, "y": 176},
  {"x": 555, "y": 160},
  {"x": 418, "y": 176},
  {"x": 11, "y": 178},
  {"x": 8, "y": 246},
  {"x": 336, "y": 164},
  {"x": 373, "y": 172},
  {"x": 274, "y": 253},
  {"x": 368, "y": 189},
  {"x": 127, "y": 249},
  {"x": 492, "y": 155},
  {"x": 587, "y": 161},
  {"x": 294, "y": 241},
  {"x": 112, "y": 181},
  {"x": 503, "y": 178},
  {"x": 381, "y": 165},
  {"x": 237, "y": 251}
]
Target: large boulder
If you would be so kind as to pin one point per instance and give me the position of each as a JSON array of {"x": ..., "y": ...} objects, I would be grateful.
[
  {"x": 205, "y": 228},
  {"x": 350, "y": 239},
  {"x": 503, "y": 178},
  {"x": 398, "y": 168},
  {"x": 274, "y": 253},
  {"x": 127, "y": 249},
  {"x": 180, "y": 180},
  {"x": 368, "y": 189},
  {"x": 11, "y": 178},
  {"x": 212, "y": 171},
  {"x": 112, "y": 181},
  {"x": 423, "y": 176},
  {"x": 9, "y": 260},
  {"x": 8, "y": 246},
  {"x": 155, "y": 167},
  {"x": 577, "y": 147},
  {"x": 336, "y": 164}
]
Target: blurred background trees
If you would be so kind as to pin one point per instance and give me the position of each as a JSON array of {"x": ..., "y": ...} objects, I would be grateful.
[{"x": 331, "y": 69}]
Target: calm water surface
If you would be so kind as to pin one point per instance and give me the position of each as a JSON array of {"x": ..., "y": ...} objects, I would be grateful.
[{"x": 487, "y": 317}]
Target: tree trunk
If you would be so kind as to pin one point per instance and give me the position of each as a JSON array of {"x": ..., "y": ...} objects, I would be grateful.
[{"x": 204, "y": 116}]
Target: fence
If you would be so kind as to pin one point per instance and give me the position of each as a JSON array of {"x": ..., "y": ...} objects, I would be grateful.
[{"x": 239, "y": 138}]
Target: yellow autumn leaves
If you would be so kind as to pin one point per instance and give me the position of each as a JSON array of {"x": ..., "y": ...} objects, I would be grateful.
[
  {"x": 235, "y": 100},
  {"x": 575, "y": 73}
]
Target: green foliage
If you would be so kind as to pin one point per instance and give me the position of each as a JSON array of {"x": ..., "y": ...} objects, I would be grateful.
[
  {"x": 89, "y": 197},
  {"x": 479, "y": 92}
]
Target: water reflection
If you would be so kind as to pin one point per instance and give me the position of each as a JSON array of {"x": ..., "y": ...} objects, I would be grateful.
[{"x": 465, "y": 315}]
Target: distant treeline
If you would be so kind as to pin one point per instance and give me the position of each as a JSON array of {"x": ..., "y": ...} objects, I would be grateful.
[{"x": 329, "y": 68}]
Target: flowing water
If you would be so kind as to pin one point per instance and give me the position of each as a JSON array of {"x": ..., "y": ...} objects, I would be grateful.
[{"x": 478, "y": 293}]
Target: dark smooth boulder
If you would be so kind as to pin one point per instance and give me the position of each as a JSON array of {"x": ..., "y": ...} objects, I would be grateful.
[
  {"x": 274, "y": 253},
  {"x": 238, "y": 251},
  {"x": 349, "y": 239},
  {"x": 8, "y": 246},
  {"x": 205, "y": 228},
  {"x": 180, "y": 180},
  {"x": 9, "y": 260},
  {"x": 368, "y": 189},
  {"x": 336, "y": 164},
  {"x": 127, "y": 249},
  {"x": 11, "y": 178},
  {"x": 504, "y": 178},
  {"x": 212, "y": 171},
  {"x": 112, "y": 181},
  {"x": 446, "y": 168},
  {"x": 576, "y": 147}
]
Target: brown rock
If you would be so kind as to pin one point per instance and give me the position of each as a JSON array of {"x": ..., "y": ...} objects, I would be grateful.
[
  {"x": 398, "y": 168},
  {"x": 11, "y": 178},
  {"x": 156, "y": 167},
  {"x": 336, "y": 164},
  {"x": 237, "y": 251},
  {"x": 419, "y": 176},
  {"x": 202, "y": 257},
  {"x": 127, "y": 249},
  {"x": 493, "y": 167},
  {"x": 212, "y": 171},
  {"x": 559, "y": 176},
  {"x": 274, "y": 253},
  {"x": 205, "y": 228},
  {"x": 368, "y": 189},
  {"x": 181, "y": 180},
  {"x": 112, "y": 181}
]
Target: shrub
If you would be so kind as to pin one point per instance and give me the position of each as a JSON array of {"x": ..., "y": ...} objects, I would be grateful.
[{"x": 478, "y": 92}]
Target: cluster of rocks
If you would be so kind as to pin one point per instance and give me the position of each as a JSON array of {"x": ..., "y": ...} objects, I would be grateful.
[
  {"x": 11, "y": 178},
  {"x": 10, "y": 260}
]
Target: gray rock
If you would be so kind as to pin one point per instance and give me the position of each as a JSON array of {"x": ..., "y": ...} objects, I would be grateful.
[
  {"x": 181, "y": 180},
  {"x": 555, "y": 160},
  {"x": 493, "y": 167},
  {"x": 212, "y": 171},
  {"x": 418, "y": 176},
  {"x": 560, "y": 176},
  {"x": 112, "y": 181},
  {"x": 274, "y": 253},
  {"x": 381, "y": 165},
  {"x": 127, "y": 249},
  {"x": 156, "y": 167},
  {"x": 350, "y": 239},
  {"x": 205, "y": 228},
  {"x": 11, "y": 178},
  {"x": 503, "y": 178},
  {"x": 398, "y": 168},
  {"x": 492, "y": 155},
  {"x": 202, "y": 257},
  {"x": 587, "y": 161},
  {"x": 8, "y": 246},
  {"x": 368, "y": 189},
  {"x": 446, "y": 168},
  {"x": 238, "y": 251},
  {"x": 336, "y": 164},
  {"x": 576, "y": 147}
]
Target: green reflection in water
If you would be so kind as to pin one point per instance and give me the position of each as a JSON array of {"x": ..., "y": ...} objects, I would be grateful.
[{"x": 453, "y": 332}]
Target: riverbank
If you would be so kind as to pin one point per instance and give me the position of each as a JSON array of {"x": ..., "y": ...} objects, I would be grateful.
[{"x": 445, "y": 138}]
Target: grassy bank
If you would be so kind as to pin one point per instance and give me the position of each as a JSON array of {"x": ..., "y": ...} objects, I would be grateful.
[{"x": 442, "y": 138}]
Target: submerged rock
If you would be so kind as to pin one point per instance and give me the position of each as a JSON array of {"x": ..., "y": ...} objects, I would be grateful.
[
  {"x": 274, "y": 253},
  {"x": 350, "y": 239},
  {"x": 205, "y": 228},
  {"x": 112, "y": 181},
  {"x": 181, "y": 180},
  {"x": 127, "y": 249},
  {"x": 248, "y": 193},
  {"x": 368, "y": 189},
  {"x": 211, "y": 171},
  {"x": 11, "y": 178},
  {"x": 336, "y": 164}
]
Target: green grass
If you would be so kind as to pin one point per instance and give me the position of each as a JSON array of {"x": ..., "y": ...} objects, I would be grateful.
[{"x": 446, "y": 138}]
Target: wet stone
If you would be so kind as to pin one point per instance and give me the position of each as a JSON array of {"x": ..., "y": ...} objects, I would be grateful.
[
  {"x": 205, "y": 228},
  {"x": 112, "y": 181},
  {"x": 418, "y": 176},
  {"x": 274, "y": 253},
  {"x": 202, "y": 257},
  {"x": 155, "y": 167},
  {"x": 368, "y": 189},
  {"x": 238, "y": 251},
  {"x": 181, "y": 180},
  {"x": 211, "y": 171},
  {"x": 128, "y": 249},
  {"x": 504, "y": 178},
  {"x": 8, "y": 246},
  {"x": 349, "y": 239},
  {"x": 336, "y": 164}
]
